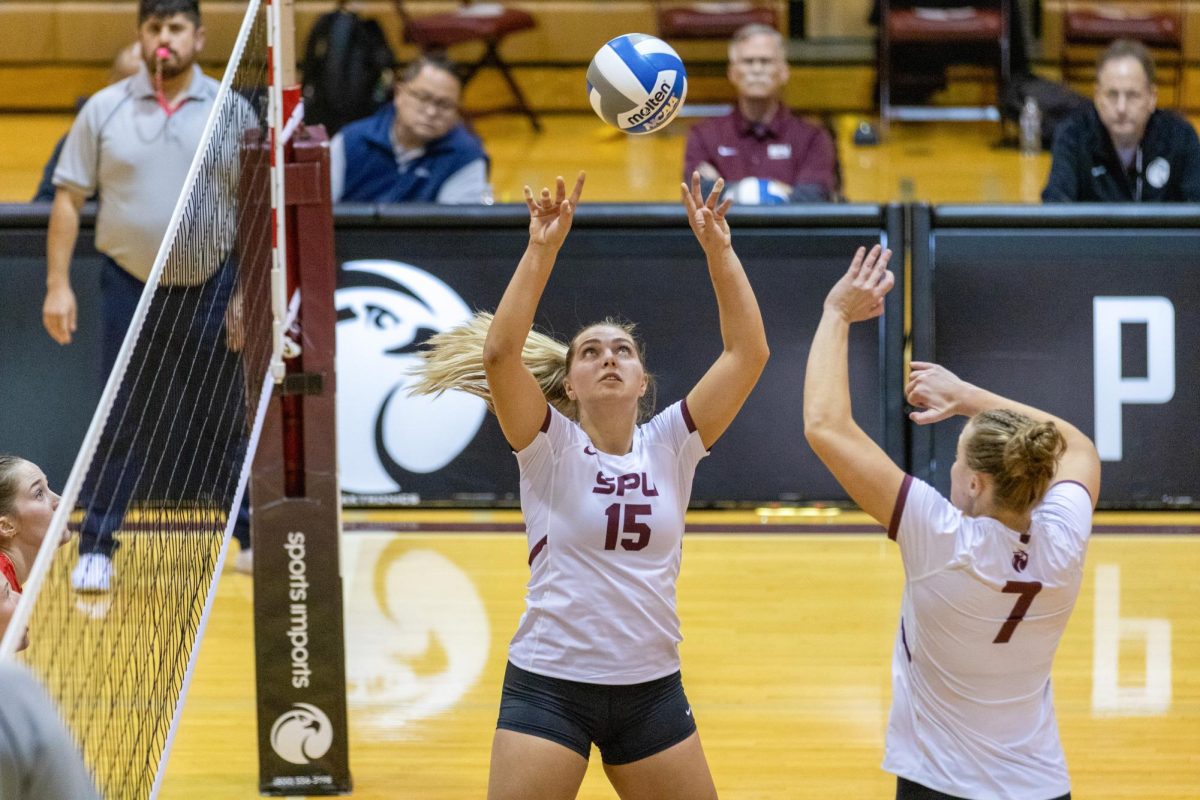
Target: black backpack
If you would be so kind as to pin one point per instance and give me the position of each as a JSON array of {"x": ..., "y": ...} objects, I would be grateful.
[
  {"x": 1056, "y": 102},
  {"x": 347, "y": 70}
]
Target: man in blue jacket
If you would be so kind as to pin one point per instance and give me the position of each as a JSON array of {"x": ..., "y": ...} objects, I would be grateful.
[
  {"x": 414, "y": 150},
  {"x": 1124, "y": 149}
]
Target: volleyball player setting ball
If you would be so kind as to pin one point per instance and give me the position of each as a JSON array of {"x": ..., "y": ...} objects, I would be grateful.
[
  {"x": 991, "y": 575},
  {"x": 595, "y": 658}
]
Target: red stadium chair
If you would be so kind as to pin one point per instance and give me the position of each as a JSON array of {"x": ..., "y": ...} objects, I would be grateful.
[
  {"x": 712, "y": 20},
  {"x": 981, "y": 24},
  {"x": 1089, "y": 28},
  {"x": 486, "y": 23}
]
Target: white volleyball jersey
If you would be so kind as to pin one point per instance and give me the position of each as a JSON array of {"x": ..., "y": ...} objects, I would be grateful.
[
  {"x": 605, "y": 538},
  {"x": 984, "y": 608}
]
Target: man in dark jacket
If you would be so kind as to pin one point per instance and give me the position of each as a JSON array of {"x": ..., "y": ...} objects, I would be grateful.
[
  {"x": 414, "y": 149},
  {"x": 1124, "y": 150}
]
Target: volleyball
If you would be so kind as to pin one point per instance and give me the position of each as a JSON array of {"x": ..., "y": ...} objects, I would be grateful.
[
  {"x": 636, "y": 83},
  {"x": 758, "y": 192}
]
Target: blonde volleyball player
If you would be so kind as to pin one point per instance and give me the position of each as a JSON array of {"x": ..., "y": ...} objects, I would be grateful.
[
  {"x": 595, "y": 657},
  {"x": 991, "y": 575}
]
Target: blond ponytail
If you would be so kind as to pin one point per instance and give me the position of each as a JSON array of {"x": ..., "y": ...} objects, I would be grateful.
[{"x": 453, "y": 359}]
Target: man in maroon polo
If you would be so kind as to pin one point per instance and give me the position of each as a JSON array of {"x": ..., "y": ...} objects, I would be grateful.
[{"x": 760, "y": 138}]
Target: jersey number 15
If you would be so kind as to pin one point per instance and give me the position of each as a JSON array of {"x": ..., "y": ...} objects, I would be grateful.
[{"x": 631, "y": 525}]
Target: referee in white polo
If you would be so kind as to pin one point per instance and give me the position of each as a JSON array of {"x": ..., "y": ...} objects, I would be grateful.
[{"x": 132, "y": 145}]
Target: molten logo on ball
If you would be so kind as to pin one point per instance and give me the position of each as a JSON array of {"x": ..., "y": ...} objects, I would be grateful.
[
  {"x": 302, "y": 735},
  {"x": 636, "y": 83}
]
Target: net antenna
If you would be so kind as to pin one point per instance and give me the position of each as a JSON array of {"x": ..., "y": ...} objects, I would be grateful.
[
  {"x": 286, "y": 114},
  {"x": 167, "y": 456}
]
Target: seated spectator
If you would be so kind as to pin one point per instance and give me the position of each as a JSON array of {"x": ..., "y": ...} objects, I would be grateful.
[
  {"x": 1123, "y": 149},
  {"x": 415, "y": 149},
  {"x": 126, "y": 63},
  {"x": 760, "y": 138}
]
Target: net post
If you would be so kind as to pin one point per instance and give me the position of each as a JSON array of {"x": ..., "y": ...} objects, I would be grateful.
[{"x": 303, "y": 736}]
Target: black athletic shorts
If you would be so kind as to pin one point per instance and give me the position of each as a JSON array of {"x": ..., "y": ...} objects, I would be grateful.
[
  {"x": 907, "y": 790},
  {"x": 627, "y": 723}
]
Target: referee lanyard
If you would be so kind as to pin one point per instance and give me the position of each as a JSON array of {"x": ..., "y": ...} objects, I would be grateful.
[
  {"x": 162, "y": 53},
  {"x": 1137, "y": 186}
]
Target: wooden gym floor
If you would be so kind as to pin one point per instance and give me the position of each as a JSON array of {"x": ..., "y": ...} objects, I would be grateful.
[{"x": 786, "y": 659}]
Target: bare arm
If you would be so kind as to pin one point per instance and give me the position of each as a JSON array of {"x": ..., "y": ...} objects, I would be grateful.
[
  {"x": 943, "y": 394},
  {"x": 58, "y": 310},
  {"x": 716, "y": 399},
  {"x": 862, "y": 468},
  {"x": 519, "y": 402}
]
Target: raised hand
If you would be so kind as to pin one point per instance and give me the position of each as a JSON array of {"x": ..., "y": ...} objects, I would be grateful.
[
  {"x": 706, "y": 218},
  {"x": 550, "y": 217},
  {"x": 936, "y": 390},
  {"x": 859, "y": 294}
]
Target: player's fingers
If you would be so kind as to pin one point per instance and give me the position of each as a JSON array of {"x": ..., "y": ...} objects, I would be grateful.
[
  {"x": 687, "y": 199},
  {"x": 529, "y": 199},
  {"x": 869, "y": 274},
  {"x": 857, "y": 262},
  {"x": 885, "y": 284},
  {"x": 578, "y": 191},
  {"x": 560, "y": 189},
  {"x": 696, "y": 186},
  {"x": 718, "y": 187},
  {"x": 723, "y": 209},
  {"x": 927, "y": 416}
]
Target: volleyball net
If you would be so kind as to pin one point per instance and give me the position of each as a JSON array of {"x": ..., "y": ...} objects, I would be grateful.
[{"x": 159, "y": 484}]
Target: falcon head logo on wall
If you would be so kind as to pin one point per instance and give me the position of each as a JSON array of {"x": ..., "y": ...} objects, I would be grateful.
[{"x": 385, "y": 311}]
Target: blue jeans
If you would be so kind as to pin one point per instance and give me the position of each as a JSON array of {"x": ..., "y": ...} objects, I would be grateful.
[{"x": 177, "y": 431}]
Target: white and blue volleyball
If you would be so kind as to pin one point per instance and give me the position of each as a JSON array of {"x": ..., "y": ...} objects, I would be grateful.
[
  {"x": 758, "y": 192},
  {"x": 637, "y": 83}
]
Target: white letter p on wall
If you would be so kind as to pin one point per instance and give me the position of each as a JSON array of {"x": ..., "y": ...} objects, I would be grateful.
[{"x": 1112, "y": 391}]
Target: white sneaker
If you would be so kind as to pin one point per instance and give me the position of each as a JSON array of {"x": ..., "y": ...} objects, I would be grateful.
[
  {"x": 244, "y": 561},
  {"x": 93, "y": 573}
]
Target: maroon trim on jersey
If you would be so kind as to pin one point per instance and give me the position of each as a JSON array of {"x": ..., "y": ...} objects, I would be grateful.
[
  {"x": 687, "y": 416},
  {"x": 898, "y": 511},
  {"x": 1077, "y": 483},
  {"x": 546, "y": 421},
  {"x": 537, "y": 548},
  {"x": 904, "y": 641}
]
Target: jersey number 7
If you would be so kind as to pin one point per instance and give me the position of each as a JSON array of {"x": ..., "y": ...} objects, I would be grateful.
[{"x": 1027, "y": 591}]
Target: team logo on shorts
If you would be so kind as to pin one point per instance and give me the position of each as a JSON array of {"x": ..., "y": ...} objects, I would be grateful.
[
  {"x": 385, "y": 311},
  {"x": 301, "y": 735},
  {"x": 1020, "y": 560}
]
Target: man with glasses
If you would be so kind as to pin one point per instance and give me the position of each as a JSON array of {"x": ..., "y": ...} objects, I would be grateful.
[
  {"x": 415, "y": 149},
  {"x": 1124, "y": 149},
  {"x": 760, "y": 140}
]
